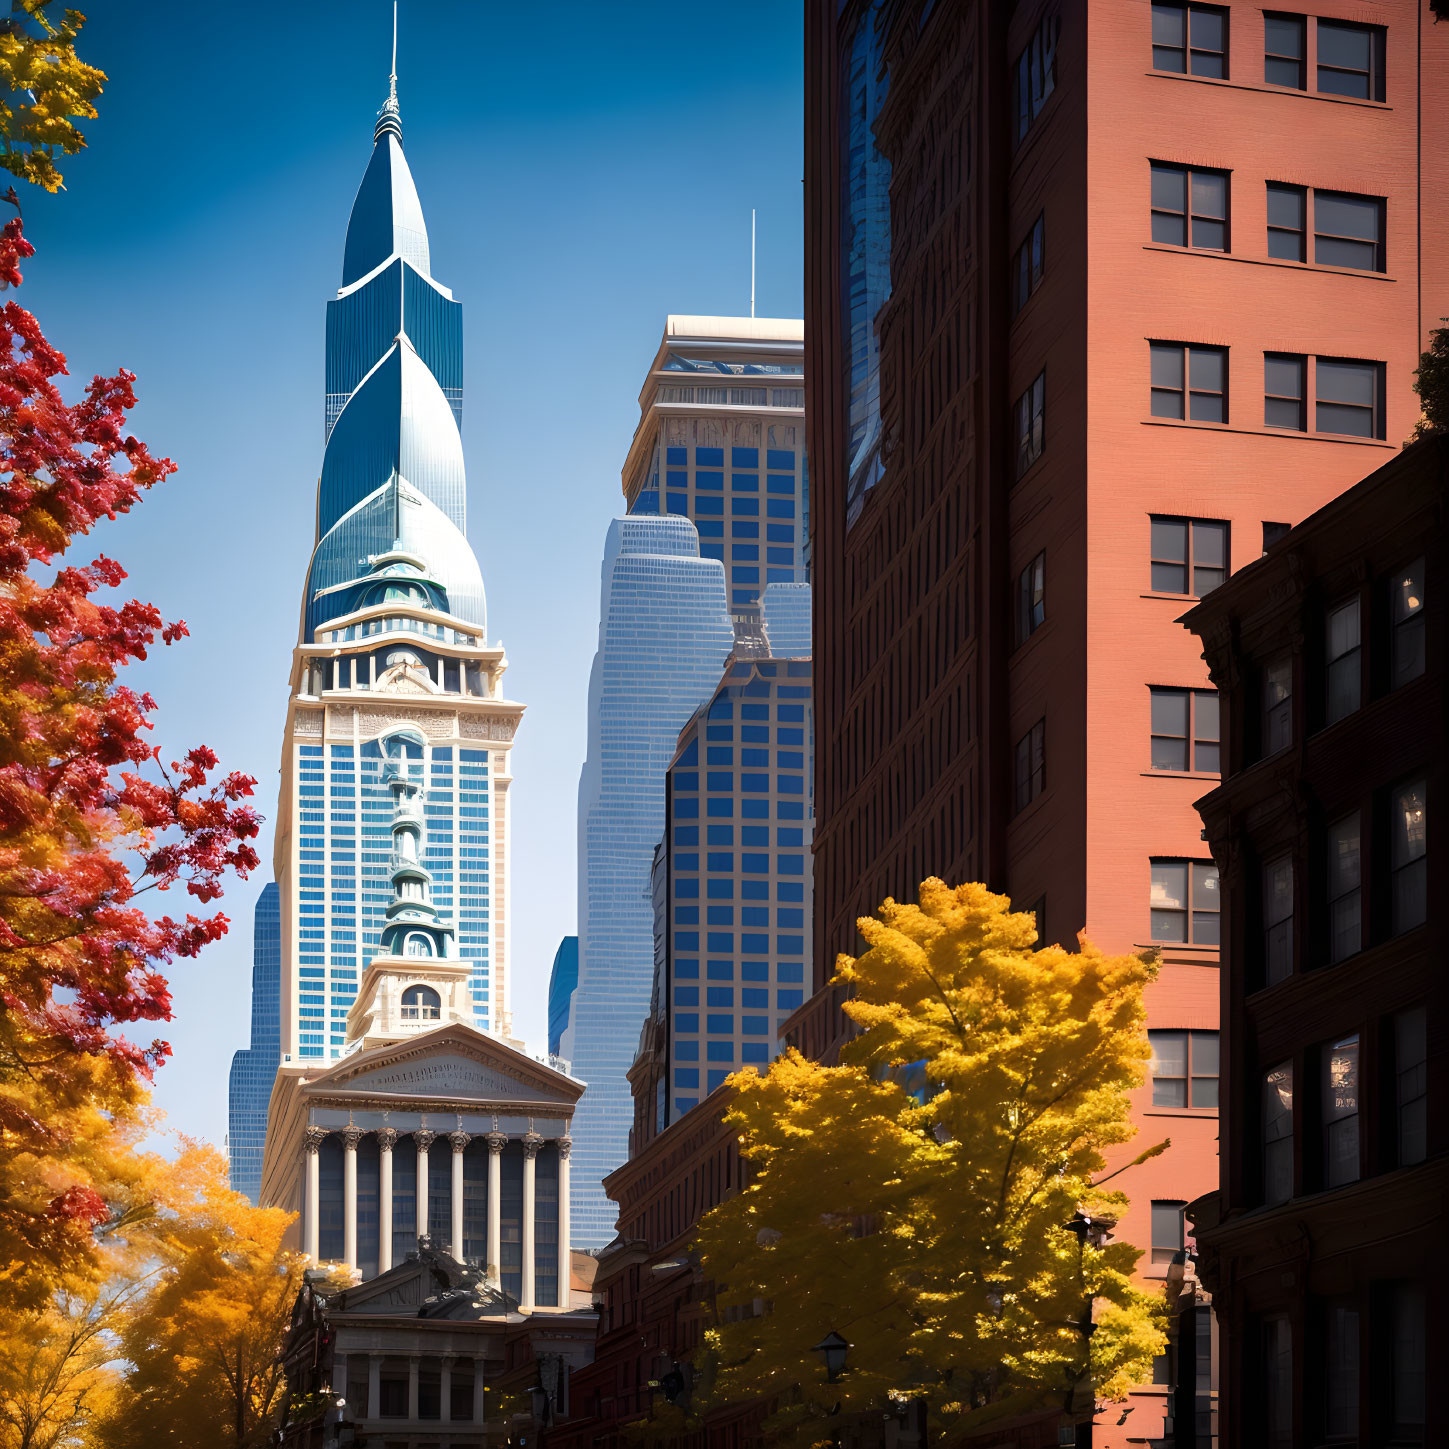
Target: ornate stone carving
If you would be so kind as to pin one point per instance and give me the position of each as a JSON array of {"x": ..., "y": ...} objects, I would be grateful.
[
  {"x": 476, "y": 727},
  {"x": 532, "y": 1144},
  {"x": 313, "y": 1137},
  {"x": 460, "y": 1140},
  {"x": 424, "y": 1137},
  {"x": 307, "y": 722},
  {"x": 352, "y": 1137},
  {"x": 386, "y": 1139},
  {"x": 497, "y": 1141},
  {"x": 565, "y": 1148}
]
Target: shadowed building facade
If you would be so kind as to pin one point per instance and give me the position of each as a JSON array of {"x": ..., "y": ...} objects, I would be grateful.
[{"x": 1098, "y": 299}]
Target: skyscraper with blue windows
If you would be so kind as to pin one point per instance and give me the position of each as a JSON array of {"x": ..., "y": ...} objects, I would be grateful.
[
  {"x": 254, "y": 1067},
  {"x": 735, "y": 912},
  {"x": 717, "y": 493},
  {"x": 393, "y": 667},
  {"x": 561, "y": 982}
]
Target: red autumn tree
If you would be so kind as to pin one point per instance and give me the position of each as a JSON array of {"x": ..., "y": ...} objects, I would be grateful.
[{"x": 91, "y": 819}]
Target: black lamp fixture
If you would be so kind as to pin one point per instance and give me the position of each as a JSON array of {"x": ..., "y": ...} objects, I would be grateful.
[
  {"x": 1081, "y": 1226},
  {"x": 833, "y": 1349}
]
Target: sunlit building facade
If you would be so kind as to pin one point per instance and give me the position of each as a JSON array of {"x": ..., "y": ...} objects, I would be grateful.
[{"x": 254, "y": 1066}]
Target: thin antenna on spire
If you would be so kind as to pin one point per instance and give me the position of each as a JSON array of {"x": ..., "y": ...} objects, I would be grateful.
[
  {"x": 392, "y": 75},
  {"x": 752, "y": 255}
]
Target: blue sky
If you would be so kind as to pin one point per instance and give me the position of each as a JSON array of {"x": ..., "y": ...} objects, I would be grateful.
[{"x": 585, "y": 170}]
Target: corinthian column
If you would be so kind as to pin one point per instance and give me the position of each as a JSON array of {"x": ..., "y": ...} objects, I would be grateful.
[
  {"x": 460, "y": 1141},
  {"x": 386, "y": 1141},
  {"x": 312, "y": 1142},
  {"x": 565, "y": 1261},
  {"x": 497, "y": 1141},
  {"x": 531, "y": 1144},
  {"x": 424, "y": 1139},
  {"x": 351, "y": 1136}
]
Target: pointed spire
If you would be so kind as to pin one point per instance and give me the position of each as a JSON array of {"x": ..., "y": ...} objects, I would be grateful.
[{"x": 389, "y": 119}]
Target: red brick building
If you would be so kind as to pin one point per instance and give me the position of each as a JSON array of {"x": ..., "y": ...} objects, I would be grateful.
[
  {"x": 1322, "y": 1247},
  {"x": 1098, "y": 300}
]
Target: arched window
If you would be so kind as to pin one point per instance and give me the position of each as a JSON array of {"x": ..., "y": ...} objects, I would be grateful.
[
  {"x": 421, "y": 1003},
  {"x": 417, "y": 944}
]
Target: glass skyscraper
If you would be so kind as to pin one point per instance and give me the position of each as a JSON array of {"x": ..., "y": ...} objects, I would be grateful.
[
  {"x": 735, "y": 911},
  {"x": 393, "y": 669},
  {"x": 561, "y": 982},
  {"x": 716, "y": 488},
  {"x": 254, "y": 1067}
]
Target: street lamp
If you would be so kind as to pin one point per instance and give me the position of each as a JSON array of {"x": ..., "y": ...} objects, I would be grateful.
[{"x": 833, "y": 1349}]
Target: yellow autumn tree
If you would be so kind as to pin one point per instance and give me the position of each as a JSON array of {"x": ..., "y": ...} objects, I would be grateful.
[
  {"x": 929, "y": 1198},
  {"x": 201, "y": 1344},
  {"x": 44, "y": 88}
]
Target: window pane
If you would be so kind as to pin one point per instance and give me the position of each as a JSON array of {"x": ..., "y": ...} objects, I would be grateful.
[
  {"x": 1169, "y": 712},
  {"x": 1205, "y": 1053},
  {"x": 1347, "y": 382},
  {"x": 1169, "y": 1092},
  {"x": 1209, "y": 31},
  {"x": 1347, "y": 46},
  {"x": 1210, "y": 544},
  {"x": 1348, "y": 216},
  {"x": 1167, "y": 365},
  {"x": 1210, "y": 195},
  {"x": 1343, "y": 632},
  {"x": 1207, "y": 726},
  {"x": 1169, "y": 578},
  {"x": 1282, "y": 413},
  {"x": 1207, "y": 368},
  {"x": 1169, "y": 229},
  {"x": 1340, "y": 1371},
  {"x": 1169, "y": 540},
  {"x": 1169, "y": 1053},
  {"x": 1169, "y": 187},
  {"x": 1283, "y": 374},
  {"x": 1286, "y": 206},
  {"x": 1204, "y": 1092},
  {"x": 1209, "y": 235},
  {"x": 1287, "y": 246},
  {"x": 1166, "y": 1230},
  {"x": 1279, "y": 72},
  {"x": 1350, "y": 422},
  {"x": 1169, "y": 25},
  {"x": 1408, "y": 593},
  {"x": 1283, "y": 35},
  {"x": 1409, "y": 824},
  {"x": 1343, "y": 857},
  {"x": 1169, "y": 898},
  {"x": 1332, "y": 252}
]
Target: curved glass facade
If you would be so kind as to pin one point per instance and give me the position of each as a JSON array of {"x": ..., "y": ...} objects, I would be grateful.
[{"x": 664, "y": 634}]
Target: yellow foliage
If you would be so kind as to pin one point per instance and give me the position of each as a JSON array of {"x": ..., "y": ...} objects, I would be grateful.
[{"x": 928, "y": 1225}]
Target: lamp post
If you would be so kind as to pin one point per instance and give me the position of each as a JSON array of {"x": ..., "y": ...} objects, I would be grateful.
[
  {"x": 1085, "y": 1229},
  {"x": 833, "y": 1349}
]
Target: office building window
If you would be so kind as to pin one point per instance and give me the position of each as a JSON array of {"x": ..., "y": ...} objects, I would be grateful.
[
  {"x": 1031, "y": 599},
  {"x": 1411, "y": 1087},
  {"x": 1345, "y": 889},
  {"x": 1189, "y": 382},
  {"x": 1285, "y": 50},
  {"x": 1277, "y": 691},
  {"x": 1278, "y": 1134},
  {"x": 1031, "y": 765},
  {"x": 1285, "y": 391},
  {"x": 1189, "y": 207},
  {"x": 1277, "y": 920},
  {"x": 1030, "y": 424},
  {"x": 1167, "y": 1231},
  {"x": 1189, "y": 555},
  {"x": 1287, "y": 222},
  {"x": 1185, "y": 903},
  {"x": 1184, "y": 1068},
  {"x": 1407, "y": 1354},
  {"x": 1034, "y": 77},
  {"x": 1349, "y": 397},
  {"x": 1348, "y": 230},
  {"x": 1343, "y": 657},
  {"x": 1029, "y": 265},
  {"x": 1185, "y": 730},
  {"x": 1276, "y": 1367},
  {"x": 1351, "y": 60},
  {"x": 1407, "y": 619},
  {"x": 1339, "y": 1111},
  {"x": 1190, "y": 40},
  {"x": 1408, "y": 858},
  {"x": 1348, "y": 401}
]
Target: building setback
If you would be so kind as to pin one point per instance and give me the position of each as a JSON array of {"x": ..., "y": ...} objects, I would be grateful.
[
  {"x": 254, "y": 1067},
  {"x": 714, "y": 544},
  {"x": 1098, "y": 300},
  {"x": 1321, "y": 1246}
]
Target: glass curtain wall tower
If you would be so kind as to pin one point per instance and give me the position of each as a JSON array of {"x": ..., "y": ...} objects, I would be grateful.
[
  {"x": 717, "y": 491},
  {"x": 393, "y": 668},
  {"x": 254, "y": 1066}
]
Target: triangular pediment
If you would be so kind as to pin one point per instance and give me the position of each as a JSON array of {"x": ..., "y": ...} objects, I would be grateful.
[
  {"x": 400, "y": 1290},
  {"x": 454, "y": 1061}
]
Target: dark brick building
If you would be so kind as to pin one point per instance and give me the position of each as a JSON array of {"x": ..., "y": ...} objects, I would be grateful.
[{"x": 1324, "y": 1245}]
